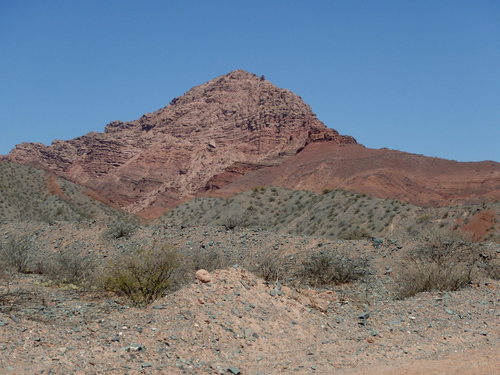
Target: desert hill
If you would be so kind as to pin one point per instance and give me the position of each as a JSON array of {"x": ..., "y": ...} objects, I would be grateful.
[
  {"x": 382, "y": 173},
  {"x": 149, "y": 165},
  {"x": 239, "y": 131},
  {"x": 336, "y": 214},
  {"x": 31, "y": 194}
]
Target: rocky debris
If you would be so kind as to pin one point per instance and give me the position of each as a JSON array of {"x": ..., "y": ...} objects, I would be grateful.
[
  {"x": 238, "y": 320},
  {"x": 240, "y": 328}
]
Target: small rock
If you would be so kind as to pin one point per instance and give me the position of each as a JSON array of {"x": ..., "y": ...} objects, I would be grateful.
[
  {"x": 203, "y": 276},
  {"x": 234, "y": 370},
  {"x": 159, "y": 307},
  {"x": 146, "y": 365},
  {"x": 364, "y": 316},
  {"x": 135, "y": 348}
]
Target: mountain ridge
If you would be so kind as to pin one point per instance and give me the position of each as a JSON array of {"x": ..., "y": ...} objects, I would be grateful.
[
  {"x": 168, "y": 155},
  {"x": 224, "y": 136}
]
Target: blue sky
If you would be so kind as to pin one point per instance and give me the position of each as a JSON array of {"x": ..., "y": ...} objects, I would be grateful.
[{"x": 418, "y": 76}]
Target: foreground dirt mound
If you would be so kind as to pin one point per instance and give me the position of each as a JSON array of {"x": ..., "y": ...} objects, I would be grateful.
[
  {"x": 382, "y": 173},
  {"x": 239, "y": 324},
  {"x": 150, "y": 164}
]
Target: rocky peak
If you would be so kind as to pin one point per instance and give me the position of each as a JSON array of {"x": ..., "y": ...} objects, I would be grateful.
[
  {"x": 238, "y": 102},
  {"x": 172, "y": 153}
]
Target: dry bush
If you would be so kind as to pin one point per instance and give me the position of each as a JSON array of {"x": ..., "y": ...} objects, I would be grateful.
[
  {"x": 493, "y": 270},
  {"x": 70, "y": 266},
  {"x": 119, "y": 229},
  {"x": 143, "y": 276},
  {"x": 355, "y": 234},
  {"x": 233, "y": 222},
  {"x": 270, "y": 268},
  {"x": 329, "y": 268},
  {"x": 442, "y": 260},
  {"x": 19, "y": 254},
  {"x": 208, "y": 260}
]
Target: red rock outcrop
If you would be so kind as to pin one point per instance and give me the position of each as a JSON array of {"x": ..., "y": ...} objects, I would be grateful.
[{"x": 151, "y": 164}]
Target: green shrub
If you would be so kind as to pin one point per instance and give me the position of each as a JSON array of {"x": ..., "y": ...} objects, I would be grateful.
[{"x": 144, "y": 276}]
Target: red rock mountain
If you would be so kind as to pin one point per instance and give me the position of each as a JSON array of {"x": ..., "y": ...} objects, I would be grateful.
[
  {"x": 238, "y": 131},
  {"x": 146, "y": 166}
]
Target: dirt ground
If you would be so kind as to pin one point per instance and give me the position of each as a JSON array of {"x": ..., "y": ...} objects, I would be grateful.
[{"x": 238, "y": 323}]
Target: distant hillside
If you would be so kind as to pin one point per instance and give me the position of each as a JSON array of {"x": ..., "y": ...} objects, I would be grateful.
[
  {"x": 31, "y": 194},
  {"x": 382, "y": 173},
  {"x": 333, "y": 214}
]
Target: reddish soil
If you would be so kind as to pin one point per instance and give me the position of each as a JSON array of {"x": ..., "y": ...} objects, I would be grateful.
[
  {"x": 382, "y": 173},
  {"x": 54, "y": 188},
  {"x": 472, "y": 362},
  {"x": 480, "y": 224}
]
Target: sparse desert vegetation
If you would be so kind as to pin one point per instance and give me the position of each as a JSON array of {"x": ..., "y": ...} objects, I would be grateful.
[
  {"x": 441, "y": 260},
  {"x": 115, "y": 276},
  {"x": 334, "y": 214}
]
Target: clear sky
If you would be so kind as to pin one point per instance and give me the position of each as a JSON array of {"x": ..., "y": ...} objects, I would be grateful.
[{"x": 419, "y": 76}]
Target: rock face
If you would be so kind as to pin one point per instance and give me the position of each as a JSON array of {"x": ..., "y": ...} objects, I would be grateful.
[{"x": 148, "y": 165}]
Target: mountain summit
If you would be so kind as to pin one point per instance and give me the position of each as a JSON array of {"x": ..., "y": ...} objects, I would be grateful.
[{"x": 236, "y": 122}]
